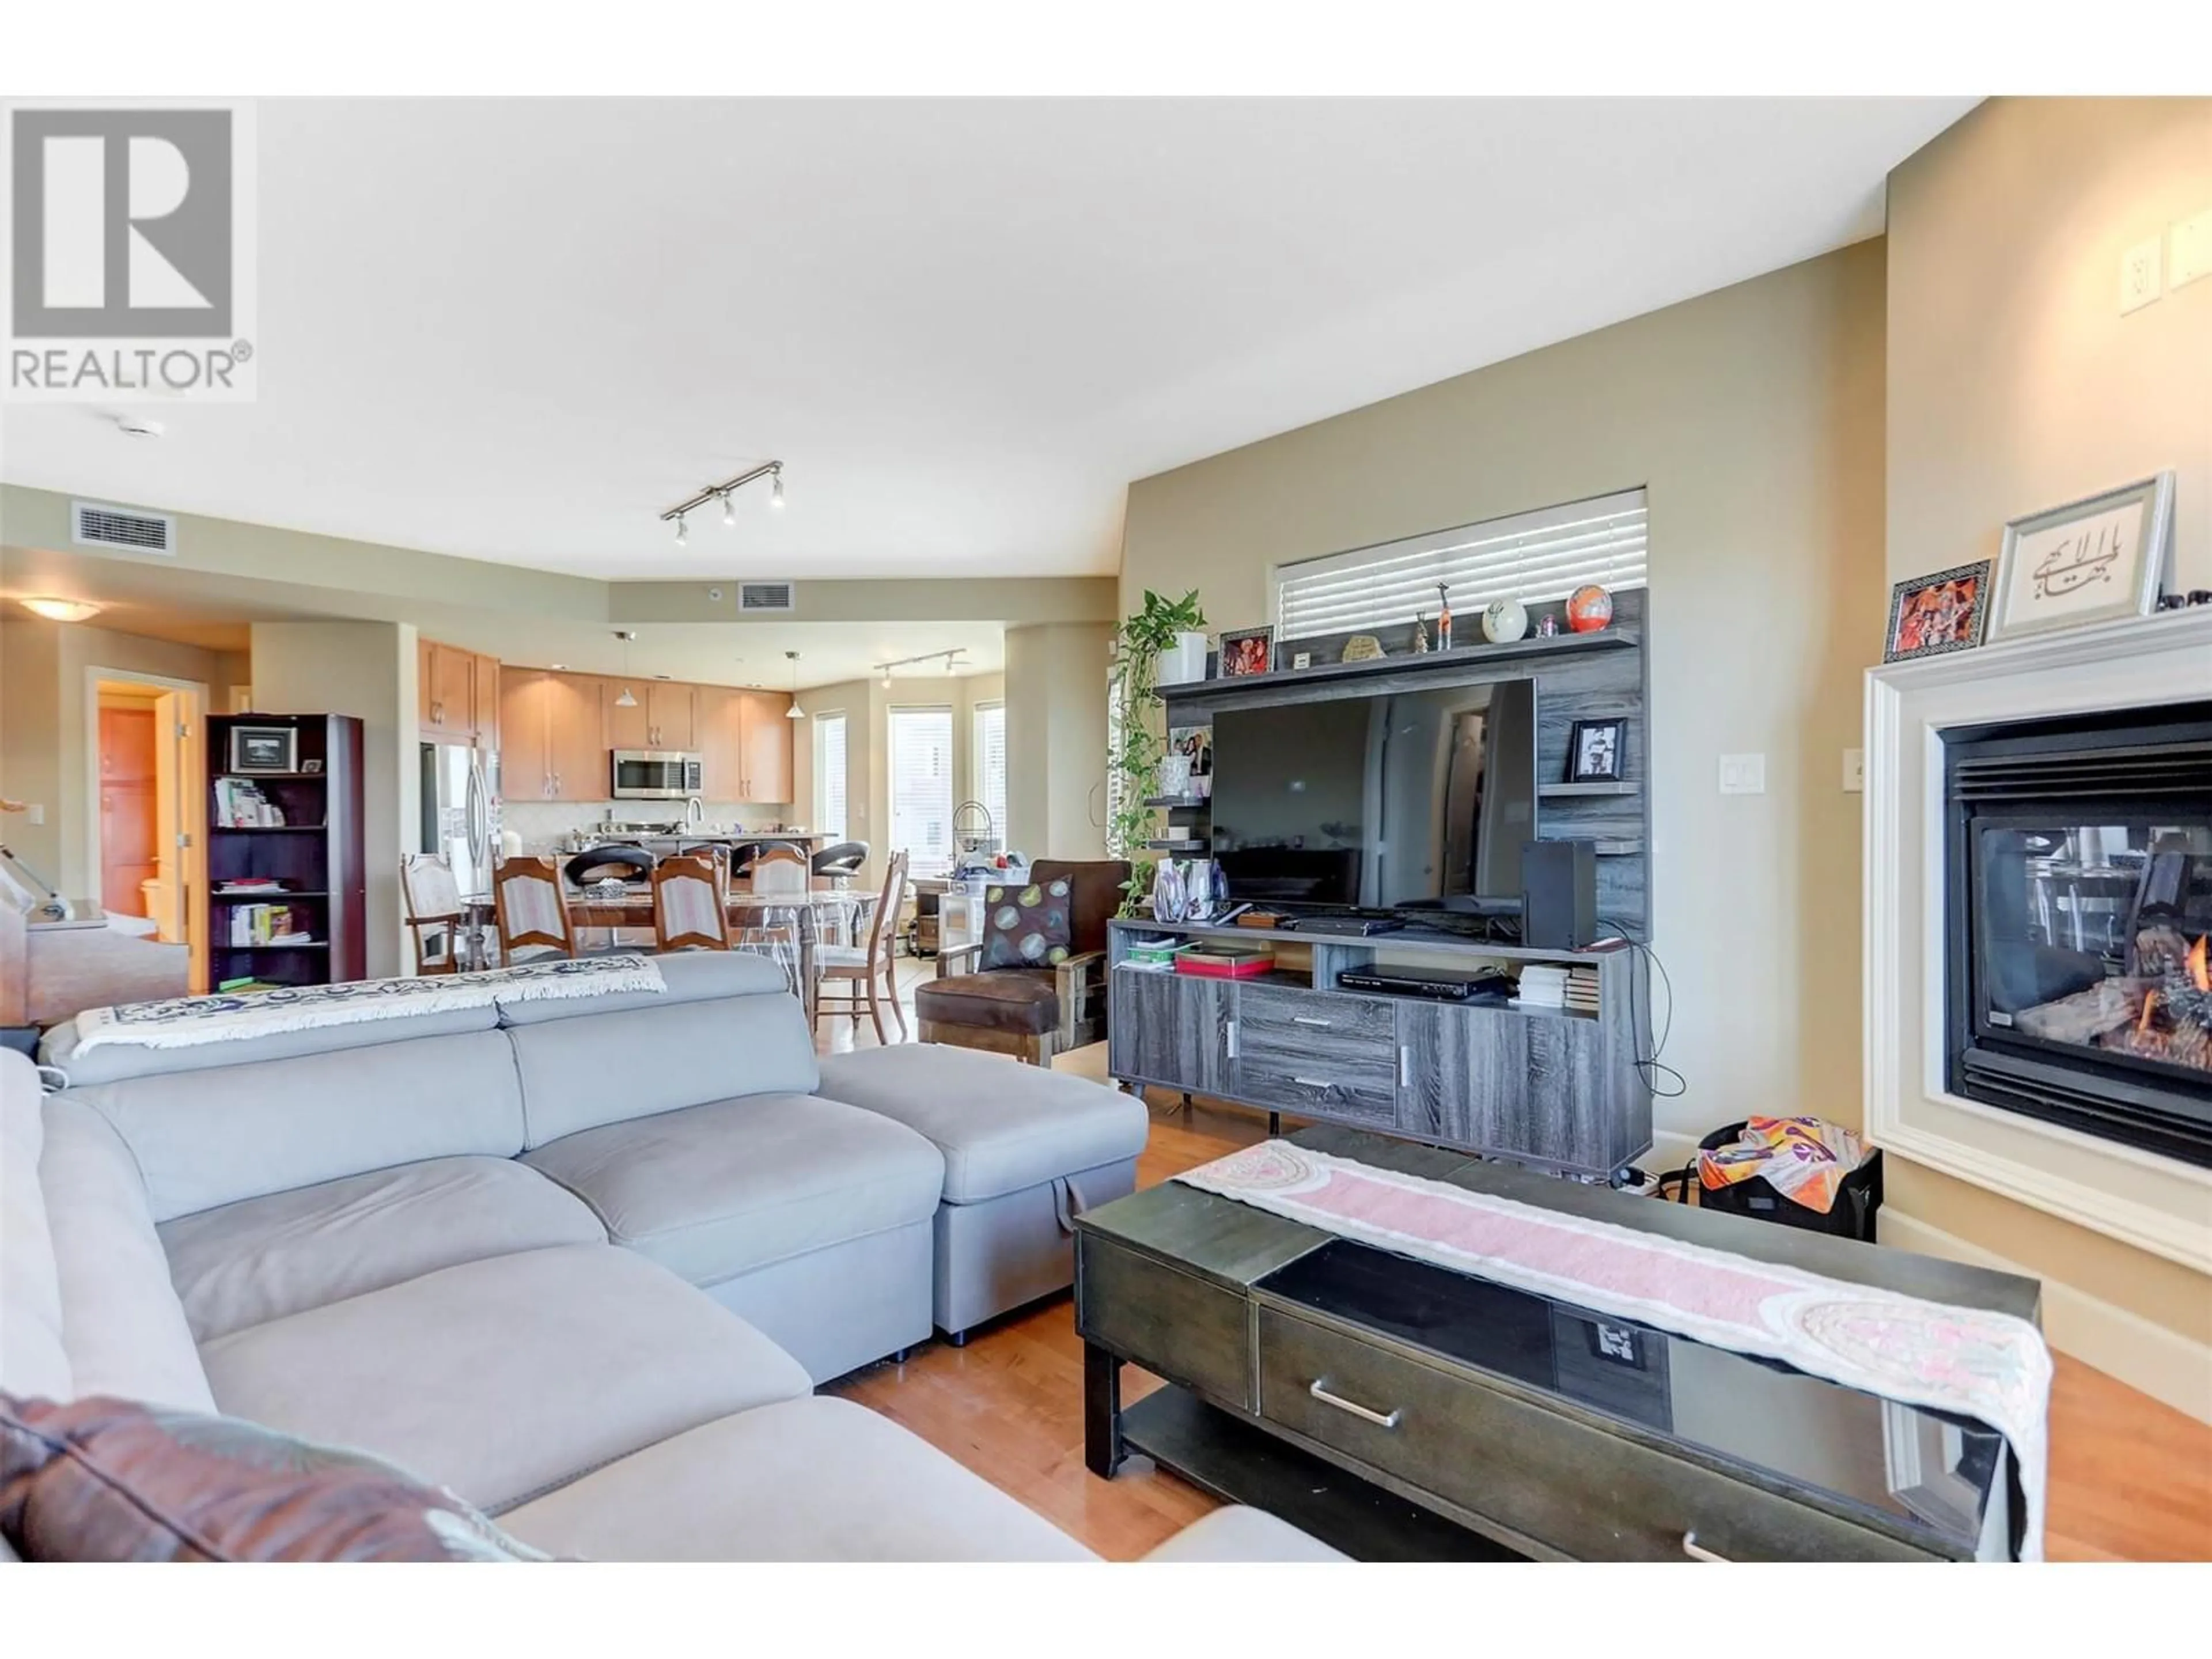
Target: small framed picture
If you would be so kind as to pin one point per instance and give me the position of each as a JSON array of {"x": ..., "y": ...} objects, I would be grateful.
[
  {"x": 1931, "y": 615},
  {"x": 1302, "y": 660},
  {"x": 265, "y": 749},
  {"x": 312, "y": 768},
  {"x": 1251, "y": 652},
  {"x": 2099, "y": 559},
  {"x": 1597, "y": 750}
]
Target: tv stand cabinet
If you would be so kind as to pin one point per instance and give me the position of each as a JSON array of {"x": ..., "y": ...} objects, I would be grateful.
[{"x": 1552, "y": 1089}]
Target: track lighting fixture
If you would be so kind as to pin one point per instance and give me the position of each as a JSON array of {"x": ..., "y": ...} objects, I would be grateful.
[
  {"x": 725, "y": 492},
  {"x": 952, "y": 660}
]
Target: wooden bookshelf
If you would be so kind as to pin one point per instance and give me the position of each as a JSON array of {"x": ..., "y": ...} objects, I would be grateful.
[{"x": 315, "y": 852}]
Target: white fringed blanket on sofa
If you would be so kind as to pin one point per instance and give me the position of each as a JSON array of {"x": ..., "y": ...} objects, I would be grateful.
[{"x": 187, "y": 1022}]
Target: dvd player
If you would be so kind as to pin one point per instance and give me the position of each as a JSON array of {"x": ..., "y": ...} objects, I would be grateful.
[{"x": 1438, "y": 985}]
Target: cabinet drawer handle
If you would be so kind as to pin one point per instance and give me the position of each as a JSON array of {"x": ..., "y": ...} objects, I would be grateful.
[
  {"x": 1306, "y": 1019},
  {"x": 1230, "y": 1031},
  {"x": 1376, "y": 1417},
  {"x": 1698, "y": 1552},
  {"x": 1322, "y": 1083}
]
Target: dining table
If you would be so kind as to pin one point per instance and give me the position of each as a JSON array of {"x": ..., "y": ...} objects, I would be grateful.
[{"x": 631, "y": 909}]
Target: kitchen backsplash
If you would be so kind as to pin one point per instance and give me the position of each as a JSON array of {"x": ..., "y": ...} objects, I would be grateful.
[{"x": 543, "y": 824}]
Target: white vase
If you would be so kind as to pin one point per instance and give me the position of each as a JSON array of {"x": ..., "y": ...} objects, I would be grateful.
[{"x": 1184, "y": 663}]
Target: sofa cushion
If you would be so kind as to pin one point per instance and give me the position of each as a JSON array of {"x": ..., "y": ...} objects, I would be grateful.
[
  {"x": 718, "y": 1190},
  {"x": 1237, "y": 1534},
  {"x": 818, "y": 1479},
  {"x": 122, "y": 1326},
  {"x": 263, "y": 1258},
  {"x": 107, "y": 1479},
  {"x": 1025, "y": 926},
  {"x": 579, "y": 1073},
  {"x": 1012, "y": 999},
  {"x": 505, "y": 1377},
  {"x": 208, "y": 1138},
  {"x": 32, "y": 1358},
  {"x": 1002, "y": 1126}
]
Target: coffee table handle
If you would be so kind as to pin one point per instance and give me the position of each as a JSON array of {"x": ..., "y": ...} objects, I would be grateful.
[{"x": 1358, "y": 1411}]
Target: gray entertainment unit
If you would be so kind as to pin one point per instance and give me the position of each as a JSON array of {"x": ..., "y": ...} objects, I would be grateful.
[
  {"x": 1560, "y": 1089},
  {"x": 1547, "y": 1087}
]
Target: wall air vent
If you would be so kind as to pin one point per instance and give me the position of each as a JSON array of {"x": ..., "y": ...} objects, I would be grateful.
[
  {"x": 765, "y": 598},
  {"x": 126, "y": 529}
]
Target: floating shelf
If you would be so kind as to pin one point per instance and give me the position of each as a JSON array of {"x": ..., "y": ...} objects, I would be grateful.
[
  {"x": 1180, "y": 845},
  {"x": 1620, "y": 849},
  {"x": 1173, "y": 802},
  {"x": 1569, "y": 790},
  {"x": 1530, "y": 649}
]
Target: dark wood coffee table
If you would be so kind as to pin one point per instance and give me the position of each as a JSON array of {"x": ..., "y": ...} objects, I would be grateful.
[{"x": 1398, "y": 1411}]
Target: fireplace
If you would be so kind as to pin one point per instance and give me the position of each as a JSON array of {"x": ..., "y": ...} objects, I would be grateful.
[{"x": 2079, "y": 908}]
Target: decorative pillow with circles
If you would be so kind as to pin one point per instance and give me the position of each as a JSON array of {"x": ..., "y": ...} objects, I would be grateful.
[{"x": 1026, "y": 927}]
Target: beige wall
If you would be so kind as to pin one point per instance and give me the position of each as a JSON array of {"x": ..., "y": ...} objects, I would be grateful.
[
  {"x": 2014, "y": 384},
  {"x": 1754, "y": 417},
  {"x": 45, "y": 713},
  {"x": 1056, "y": 739},
  {"x": 366, "y": 669}
]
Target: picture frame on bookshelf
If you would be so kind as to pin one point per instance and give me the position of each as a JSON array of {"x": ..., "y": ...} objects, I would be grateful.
[
  {"x": 265, "y": 749},
  {"x": 312, "y": 768}
]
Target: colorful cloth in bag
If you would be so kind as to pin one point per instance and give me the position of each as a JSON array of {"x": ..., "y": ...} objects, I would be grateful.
[{"x": 1803, "y": 1158}]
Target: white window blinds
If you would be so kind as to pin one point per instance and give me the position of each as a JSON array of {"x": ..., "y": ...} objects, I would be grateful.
[
  {"x": 921, "y": 788},
  {"x": 829, "y": 782},
  {"x": 990, "y": 764},
  {"x": 1534, "y": 558}
]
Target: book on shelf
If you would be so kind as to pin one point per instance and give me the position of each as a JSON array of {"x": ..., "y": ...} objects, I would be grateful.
[
  {"x": 248, "y": 982},
  {"x": 269, "y": 924},
  {"x": 239, "y": 804},
  {"x": 249, "y": 884}
]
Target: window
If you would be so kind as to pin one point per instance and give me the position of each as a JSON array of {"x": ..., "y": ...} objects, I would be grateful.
[
  {"x": 921, "y": 788},
  {"x": 990, "y": 764},
  {"x": 1533, "y": 558},
  {"x": 829, "y": 775}
]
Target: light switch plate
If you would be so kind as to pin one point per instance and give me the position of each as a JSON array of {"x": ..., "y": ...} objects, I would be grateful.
[
  {"x": 1743, "y": 775},
  {"x": 2189, "y": 249},
  {"x": 1854, "y": 771},
  {"x": 35, "y": 813},
  {"x": 2141, "y": 270}
]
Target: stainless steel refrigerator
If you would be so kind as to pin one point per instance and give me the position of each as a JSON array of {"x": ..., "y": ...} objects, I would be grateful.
[{"x": 460, "y": 811}]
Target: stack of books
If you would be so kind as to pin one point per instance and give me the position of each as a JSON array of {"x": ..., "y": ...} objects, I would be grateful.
[
  {"x": 1581, "y": 990},
  {"x": 1157, "y": 954},
  {"x": 239, "y": 804},
  {"x": 268, "y": 924},
  {"x": 1543, "y": 986}
]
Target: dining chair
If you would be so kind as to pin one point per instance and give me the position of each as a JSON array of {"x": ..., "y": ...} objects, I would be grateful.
[
  {"x": 691, "y": 906},
  {"x": 869, "y": 971},
  {"x": 435, "y": 913},
  {"x": 533, "y": 913},
  {"x": 779, "y": 870}
]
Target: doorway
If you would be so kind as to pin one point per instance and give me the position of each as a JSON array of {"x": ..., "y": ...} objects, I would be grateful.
[{"x": 148, "y": 818}]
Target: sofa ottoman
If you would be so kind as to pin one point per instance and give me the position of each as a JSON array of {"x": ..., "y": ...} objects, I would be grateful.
[{"x": 1025, "y": 1152}]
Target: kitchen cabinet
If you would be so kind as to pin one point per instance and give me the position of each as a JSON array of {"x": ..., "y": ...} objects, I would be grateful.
[
  {"x": 625, "y": 728},
  {"x": 662, "y": 717},
  {"x": 525, "y": 760},
  {"x": 767, "y": 735},
  {"x": 579, "y": 744},
  {"x": 446, "y": 692},
  {"x": 720, "y": 717},
  {"x": 484, "y": 700}
]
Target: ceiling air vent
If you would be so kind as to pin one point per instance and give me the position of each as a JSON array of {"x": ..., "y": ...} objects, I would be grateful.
[
  {"x": 759, "y": 598},
  {"x": 126, "y": 529}
]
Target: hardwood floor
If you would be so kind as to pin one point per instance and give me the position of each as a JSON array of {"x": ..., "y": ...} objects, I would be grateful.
[{"x": 2130, "y": 1478}]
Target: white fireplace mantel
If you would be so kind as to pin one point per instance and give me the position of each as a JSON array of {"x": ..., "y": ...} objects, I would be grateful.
[{"x": 2154, "y": 1203}]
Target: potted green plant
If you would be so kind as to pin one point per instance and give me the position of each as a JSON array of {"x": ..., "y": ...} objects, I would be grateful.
[{"x": 1138, "y": 727}]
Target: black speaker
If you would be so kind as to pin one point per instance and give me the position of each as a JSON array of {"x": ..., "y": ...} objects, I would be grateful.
[{"x": 1559, "y": 894}]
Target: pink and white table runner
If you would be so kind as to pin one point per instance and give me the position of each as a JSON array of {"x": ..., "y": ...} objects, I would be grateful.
[{"x": 1988, "y": 1366}]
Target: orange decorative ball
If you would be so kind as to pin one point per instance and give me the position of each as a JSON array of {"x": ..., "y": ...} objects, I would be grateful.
[{"x": 1589, "y": 609}]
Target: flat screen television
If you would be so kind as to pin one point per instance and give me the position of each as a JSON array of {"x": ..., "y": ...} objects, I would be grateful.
[{"x": 1385, "y": 801}]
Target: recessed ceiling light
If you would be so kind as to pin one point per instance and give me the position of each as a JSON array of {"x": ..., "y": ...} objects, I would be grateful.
[
  {"x": 138, "y": 425},
  {"x": 560, "y": 667},
  {"x": 68, "y": 611}
]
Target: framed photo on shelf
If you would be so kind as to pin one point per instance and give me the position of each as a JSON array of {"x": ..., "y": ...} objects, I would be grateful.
[
  {"x": 2099, "y": 559},
  {"x": 1250, "y": 652},
  {"x": 265, "y": 749},
  {"x": 312, "y": 768},
  {"x": 1929, "y": 616},
  {"x": 1597, "y": 750}
]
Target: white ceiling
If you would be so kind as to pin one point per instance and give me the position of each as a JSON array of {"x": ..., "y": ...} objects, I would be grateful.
[{"x": 517, "y": 328}]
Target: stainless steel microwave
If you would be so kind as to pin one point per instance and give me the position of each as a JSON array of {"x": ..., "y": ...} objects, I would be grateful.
[{"x": 655, "y": 774}]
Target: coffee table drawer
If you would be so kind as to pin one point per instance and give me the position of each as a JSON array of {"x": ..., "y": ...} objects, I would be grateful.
[
  {"x": 1588, "y": 1494},
  {"x": 1171, "y": 1322}
]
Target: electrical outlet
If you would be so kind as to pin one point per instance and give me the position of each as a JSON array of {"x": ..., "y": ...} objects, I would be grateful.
[
  {"x": 1854, "y": 771},
  {"x": 1743, "y": 775},
  {"x": 2190, "y": 250},
  {"x": 2140, "y": 269}
]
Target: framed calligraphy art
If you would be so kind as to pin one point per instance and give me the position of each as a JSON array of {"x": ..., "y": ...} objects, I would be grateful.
[{"x": 2093, "y": 560}]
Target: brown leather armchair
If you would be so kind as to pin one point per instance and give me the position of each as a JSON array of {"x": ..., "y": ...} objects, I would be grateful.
[{"x": 1033, "y": 1013}]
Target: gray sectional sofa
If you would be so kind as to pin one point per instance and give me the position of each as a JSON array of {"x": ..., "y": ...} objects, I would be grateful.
[{"x": 582, "y": 1260}]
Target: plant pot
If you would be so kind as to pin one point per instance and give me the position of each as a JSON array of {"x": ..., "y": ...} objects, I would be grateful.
[{"x": 1184, "y": 663}]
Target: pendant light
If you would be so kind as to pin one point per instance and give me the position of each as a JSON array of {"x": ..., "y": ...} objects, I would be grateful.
[
  {"x": 628, "y": 698},
  {"x": 795, "y": 712}
]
